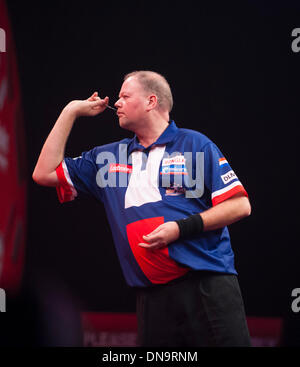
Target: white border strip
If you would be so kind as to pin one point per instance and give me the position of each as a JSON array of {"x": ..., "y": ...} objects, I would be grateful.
[
  {"x": 68, "y": 178},
  {"x": 228, "y": 188}
]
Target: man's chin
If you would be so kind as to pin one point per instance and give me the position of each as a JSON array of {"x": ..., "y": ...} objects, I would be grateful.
[{"x": 125, "y": 124}]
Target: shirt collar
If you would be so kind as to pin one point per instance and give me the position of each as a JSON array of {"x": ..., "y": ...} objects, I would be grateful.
[{"x": 167, "y": 136}]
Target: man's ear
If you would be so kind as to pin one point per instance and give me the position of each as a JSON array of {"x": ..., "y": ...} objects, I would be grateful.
[{"x": 152, "y": 101}]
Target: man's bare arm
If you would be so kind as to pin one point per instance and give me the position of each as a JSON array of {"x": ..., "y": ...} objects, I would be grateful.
[
  {"x": 221, "y": 215},
  {"x": 53, "y": 150},
  {"x": 226, "y": 213}
]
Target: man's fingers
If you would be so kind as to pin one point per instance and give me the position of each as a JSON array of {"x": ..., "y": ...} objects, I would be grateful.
[
  {"x": 100, "y": 103},
  {"x": 97, "y": 102},
  {"x": 93, "y": 96},
  {"x": 156, "y": 230},
  {"x": 151, "y": 237},
  {"x": 151, "y": 246}
]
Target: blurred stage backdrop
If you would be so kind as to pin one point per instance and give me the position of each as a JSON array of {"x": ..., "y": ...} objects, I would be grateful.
[{"x": 234, "y": 72}]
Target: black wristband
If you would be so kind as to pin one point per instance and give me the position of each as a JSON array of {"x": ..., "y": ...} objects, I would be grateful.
[{"x": 190, "y": 226}]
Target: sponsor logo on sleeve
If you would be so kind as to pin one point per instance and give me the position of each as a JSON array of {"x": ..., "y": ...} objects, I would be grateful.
[
  {"x": 228, "y": 177},
  {"x": 223, "y": 162}
]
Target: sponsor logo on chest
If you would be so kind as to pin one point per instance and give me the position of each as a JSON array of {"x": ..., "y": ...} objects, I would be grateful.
[
  {"x": 173, "y": 166},
  {"x": 118, "y": 167}
]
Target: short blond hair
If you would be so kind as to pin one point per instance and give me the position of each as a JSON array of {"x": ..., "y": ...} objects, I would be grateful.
[{"x": 156, "y": 83}]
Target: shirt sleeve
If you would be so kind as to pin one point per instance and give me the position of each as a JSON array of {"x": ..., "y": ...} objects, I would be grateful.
[
  {"x": 77, "y": 175},
  {"x": 220, "y": 179}
]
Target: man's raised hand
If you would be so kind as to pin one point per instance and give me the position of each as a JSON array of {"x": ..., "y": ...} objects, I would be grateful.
[{"x": 88, "y": 107}]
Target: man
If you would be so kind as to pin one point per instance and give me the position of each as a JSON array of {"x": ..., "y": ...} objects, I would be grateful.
[{"x": 169, "y": 194}]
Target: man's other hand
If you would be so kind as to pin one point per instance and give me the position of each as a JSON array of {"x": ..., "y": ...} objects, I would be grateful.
[{"x": 162, "y": 235}]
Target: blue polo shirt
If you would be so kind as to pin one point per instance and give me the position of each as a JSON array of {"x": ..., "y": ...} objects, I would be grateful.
[{"x": 180, "y": 174}]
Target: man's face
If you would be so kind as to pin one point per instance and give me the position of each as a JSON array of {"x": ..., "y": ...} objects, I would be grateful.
[{"x": 131, "y": 105}]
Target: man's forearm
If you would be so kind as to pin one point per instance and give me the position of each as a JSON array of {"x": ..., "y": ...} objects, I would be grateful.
[
  {"x": 221, "y": 215},
  {"x": 53, "y": 150},
  {"x": 226, "y": 213}
]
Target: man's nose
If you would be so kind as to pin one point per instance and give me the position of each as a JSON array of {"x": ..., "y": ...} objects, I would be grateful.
[{"x": 118, "y": 104}]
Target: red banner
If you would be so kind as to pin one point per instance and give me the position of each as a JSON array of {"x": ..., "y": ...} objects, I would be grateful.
[
  {"x": 102, "y": 329},
  {"x": 265, "y": 331},
  {"x": 12, "y": 164}
]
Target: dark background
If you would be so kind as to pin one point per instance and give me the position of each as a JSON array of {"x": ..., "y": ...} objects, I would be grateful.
[{"x": 234, "y": 78}]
